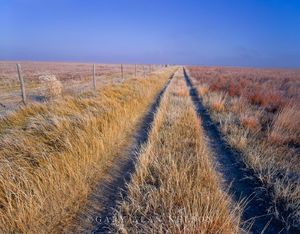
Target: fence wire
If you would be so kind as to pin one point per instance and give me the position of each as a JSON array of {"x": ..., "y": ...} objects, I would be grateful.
[{"x": 74, "y": 78}]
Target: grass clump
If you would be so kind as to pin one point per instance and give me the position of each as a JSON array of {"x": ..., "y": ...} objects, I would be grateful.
[{"x": 286, "y": 126}]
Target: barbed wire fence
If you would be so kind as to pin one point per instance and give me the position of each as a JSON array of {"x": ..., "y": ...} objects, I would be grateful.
[{"x": 24, "y": 83}]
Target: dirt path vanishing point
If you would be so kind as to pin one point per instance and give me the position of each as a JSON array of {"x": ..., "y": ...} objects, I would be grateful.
[
  {"x": 242, "y": 182},
  {"x": 115, "y": 189}
]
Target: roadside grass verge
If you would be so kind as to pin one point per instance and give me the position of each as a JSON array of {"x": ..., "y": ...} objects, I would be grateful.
[
  {"x": 175, "y": 188},
  {"x": 51, "y": 155},
  {"x": 268, "y": 140}
]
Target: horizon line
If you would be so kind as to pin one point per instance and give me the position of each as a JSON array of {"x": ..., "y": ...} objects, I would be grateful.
[{"x": 131, "y": 63}]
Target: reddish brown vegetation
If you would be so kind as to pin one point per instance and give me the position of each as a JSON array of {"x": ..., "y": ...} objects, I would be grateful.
[
  {"x": 261, "y": 119},
  {"x": 251, "y": 123},
  {"x": 276, "y": 91},
  {"x": 271, "y": 89},
  {"x": 271, "y": 100},
  {"x": 218, "y": 106}
]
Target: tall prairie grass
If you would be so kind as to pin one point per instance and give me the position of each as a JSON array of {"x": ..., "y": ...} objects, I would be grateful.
[
  {"x": 52, "y": 155},
  {"x": 261, "y": 120}
]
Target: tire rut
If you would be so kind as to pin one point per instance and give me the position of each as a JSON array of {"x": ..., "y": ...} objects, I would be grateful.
[
  {"x": 242, "y": 181},
  {"x": 116, "y": 189}
]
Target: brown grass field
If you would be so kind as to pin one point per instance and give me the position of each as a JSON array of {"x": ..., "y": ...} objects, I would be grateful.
[
  {"x": 75, "y": 78},
  {"x": 259, "y": 114},
  {"x": 58, "y": 151},
  {"x": 52, "y": 154}
]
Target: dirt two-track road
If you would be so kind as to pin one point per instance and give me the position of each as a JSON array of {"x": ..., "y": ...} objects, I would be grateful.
[{"x": 238, "y": 181}]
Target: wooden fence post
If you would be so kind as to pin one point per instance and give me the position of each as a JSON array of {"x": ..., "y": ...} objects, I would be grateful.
[
  {"x": 94, "y": 76},
  {"x": 21, "y": 83},
  {"x": 122, "y": 72}
]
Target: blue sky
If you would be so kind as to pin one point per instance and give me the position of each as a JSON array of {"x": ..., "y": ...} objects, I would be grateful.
[{"x": 263, "y": 33}]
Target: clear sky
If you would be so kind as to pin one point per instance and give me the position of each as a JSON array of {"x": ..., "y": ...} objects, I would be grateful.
[{"x": 263, "y": 33}]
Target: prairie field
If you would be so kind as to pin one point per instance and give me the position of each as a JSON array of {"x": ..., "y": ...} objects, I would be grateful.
[
  {"x": 258, "y": 113},
  {"x": 52, "y": 154},
  {"x": 149, "y": 117},
  {"x": 74, "y": 79},
  {"x": 170, "y": 149}
]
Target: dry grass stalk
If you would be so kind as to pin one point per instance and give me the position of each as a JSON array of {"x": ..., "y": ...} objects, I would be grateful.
[
  {"x": 203, "y": 89},
  {"x": 238, "y": 105},
  {"x": 250, "y": 122},
  {"x": 286, "y": 126},
  {"x": 218, "y": 102},
  {"x": 175, "y": 188}
]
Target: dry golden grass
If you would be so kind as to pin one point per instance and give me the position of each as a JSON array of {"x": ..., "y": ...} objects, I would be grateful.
[
  {"x": 250, "y": 122},
  {"x": 218, "y": 102},
  {"x": 203, "y": 89},
  {"x": 285, "y": 128},
  {"x": 175, "y": 188},
  {"x": 75, "y": 79},
  {"x": 182, "y": 92},
  {"x": 268, "y": 140},
  {"x": 218, "y": 106},
  {"x": 238, "y": 105},
  {"x": 52, "y": 155}
]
